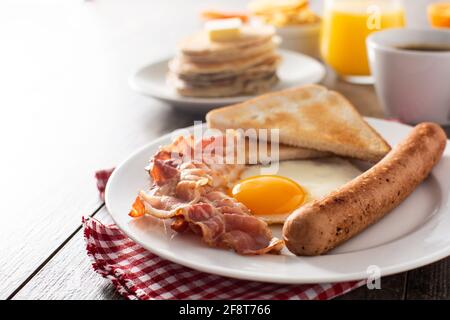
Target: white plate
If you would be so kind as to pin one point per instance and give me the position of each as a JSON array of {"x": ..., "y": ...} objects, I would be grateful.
[
  {"x": 295, "y": 69},
  {"x": 413, "y": 235}
]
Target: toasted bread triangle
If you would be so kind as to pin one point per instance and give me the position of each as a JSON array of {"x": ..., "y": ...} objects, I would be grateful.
[{"x": 309, "y": 117}]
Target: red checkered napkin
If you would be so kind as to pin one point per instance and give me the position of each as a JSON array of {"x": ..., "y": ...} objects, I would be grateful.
[{"x": 139, "y": 274}]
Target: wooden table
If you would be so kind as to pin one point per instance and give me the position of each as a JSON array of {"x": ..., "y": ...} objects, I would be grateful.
[{"x": 67, "y": 111}]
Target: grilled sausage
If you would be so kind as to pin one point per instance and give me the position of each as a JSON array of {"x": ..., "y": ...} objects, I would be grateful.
[{"x": 321, "y": 225}]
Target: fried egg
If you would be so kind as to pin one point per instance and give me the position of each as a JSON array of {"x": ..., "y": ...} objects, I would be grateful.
[{"x": 274, "y": 197}]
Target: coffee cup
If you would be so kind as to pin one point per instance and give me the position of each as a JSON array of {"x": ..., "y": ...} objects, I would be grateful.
[{"x": 411, "y": 69}]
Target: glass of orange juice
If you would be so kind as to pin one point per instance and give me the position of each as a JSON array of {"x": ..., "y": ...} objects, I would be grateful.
[{"x": 346, "y": 25}]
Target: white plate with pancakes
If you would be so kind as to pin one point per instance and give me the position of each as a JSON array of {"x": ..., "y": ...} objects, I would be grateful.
[
  {"x": 412, "y": 235},
  {"x": 295, "y": 69}
]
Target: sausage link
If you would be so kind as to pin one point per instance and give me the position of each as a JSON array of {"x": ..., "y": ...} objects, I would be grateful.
[{"x": 321, "y": 225}]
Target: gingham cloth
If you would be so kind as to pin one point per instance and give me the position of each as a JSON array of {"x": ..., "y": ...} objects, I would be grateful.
[{"x": 139, "y": 274}]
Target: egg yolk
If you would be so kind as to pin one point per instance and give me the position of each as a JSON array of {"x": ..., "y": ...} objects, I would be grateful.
[{"x": 269, "y": 194}]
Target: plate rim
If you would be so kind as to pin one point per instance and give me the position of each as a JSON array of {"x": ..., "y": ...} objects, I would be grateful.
[
  {"x": 156, "y": 94},
  {"x": 275, "y": 278}
]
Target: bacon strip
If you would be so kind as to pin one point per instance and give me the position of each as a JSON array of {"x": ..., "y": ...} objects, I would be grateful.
[{"x": 192, "y": 191}]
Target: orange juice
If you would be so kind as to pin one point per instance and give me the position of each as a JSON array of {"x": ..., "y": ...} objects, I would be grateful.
[{"x": 346, "y": 25}]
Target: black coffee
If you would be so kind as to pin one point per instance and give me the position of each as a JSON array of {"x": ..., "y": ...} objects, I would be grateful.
[{"x": 430, "y": 48}]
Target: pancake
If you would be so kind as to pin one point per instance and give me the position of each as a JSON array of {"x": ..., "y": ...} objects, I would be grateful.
[
  {"x": 248, "y": 87},
  {"x": 180, "y": 66},
  {"x": 252, "y": 74},
  {"x": 245, "y": 65},
  {"x": 269, "y": 64},
  {"x": 217, "y": 57},
  {"x": 225, "y": 81},
  {"x": 200, "y": 45}
]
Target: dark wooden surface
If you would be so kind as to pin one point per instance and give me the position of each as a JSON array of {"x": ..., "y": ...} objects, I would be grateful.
[{"x": 68, "y": 111}]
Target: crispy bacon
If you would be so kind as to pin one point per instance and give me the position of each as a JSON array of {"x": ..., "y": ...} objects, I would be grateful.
[
  {"x": 163, "y": 168},
  {"x": 191, "y": 189},
  {"x": 242, "y": 232},
  {"x": 179, "y": 224},
  {"x": 137, "y": 209}
]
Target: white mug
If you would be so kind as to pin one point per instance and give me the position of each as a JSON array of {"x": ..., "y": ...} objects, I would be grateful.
[{"x": 413, "y": 86}]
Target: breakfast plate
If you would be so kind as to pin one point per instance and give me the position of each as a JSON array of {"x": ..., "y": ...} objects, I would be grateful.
[
  {"x": 413, "y": 235},
  {"x": 296, "y": 69}
]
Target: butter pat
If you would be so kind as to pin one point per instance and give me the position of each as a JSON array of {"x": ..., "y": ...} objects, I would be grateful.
[{"x": 223, "y": 29}]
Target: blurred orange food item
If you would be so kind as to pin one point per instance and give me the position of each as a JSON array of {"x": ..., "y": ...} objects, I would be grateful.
[
  {"x": 283, "y": 13},
  {"x": 439, "y": 15},
  {"x": 138, "y": 208},
  {"x": 215, "y": 14}
]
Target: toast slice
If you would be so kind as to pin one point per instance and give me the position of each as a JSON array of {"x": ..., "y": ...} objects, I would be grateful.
[
  {"x": 286, "y": 152},
  {"x": 309, "y": 117}
]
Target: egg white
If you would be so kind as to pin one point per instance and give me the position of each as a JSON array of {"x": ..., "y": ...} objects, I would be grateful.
[{"x": 318, "y": 178}]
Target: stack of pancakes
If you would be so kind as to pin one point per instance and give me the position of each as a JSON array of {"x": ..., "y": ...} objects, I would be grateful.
[{"x": 243, "y": 66}]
